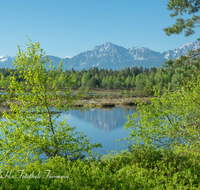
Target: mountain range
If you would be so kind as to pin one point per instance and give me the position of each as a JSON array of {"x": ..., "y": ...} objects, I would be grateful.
[{"x": 113, "y": 57}]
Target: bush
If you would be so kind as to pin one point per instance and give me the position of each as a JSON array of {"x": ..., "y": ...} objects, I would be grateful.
[
  {"x": 143, "y": 168},
  {"x": 31, "y": 129}
]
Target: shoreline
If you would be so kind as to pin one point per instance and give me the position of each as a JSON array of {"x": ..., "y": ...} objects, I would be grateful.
[
  {"x": 99, "y": 101},
  {"x": 110, "y": 102}
]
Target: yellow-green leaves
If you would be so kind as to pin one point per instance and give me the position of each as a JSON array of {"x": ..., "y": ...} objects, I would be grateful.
[
  {"x": 171, "y": 121},
  {"x": 31, "y": 128}
]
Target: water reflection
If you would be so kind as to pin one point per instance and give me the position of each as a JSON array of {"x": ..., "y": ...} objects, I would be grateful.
[
  {"x": 104, "y": 119},
  {"x": 100, "y": 125}
]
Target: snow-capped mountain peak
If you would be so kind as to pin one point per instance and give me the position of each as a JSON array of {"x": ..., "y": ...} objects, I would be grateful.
[
  {"x": 111, "y": 56},
  {"x": 183, "y": 50},
  {"x": 105, "y": 47},
  {"x": 68, "y": 57},
  {"x": 3, "y": 58}
]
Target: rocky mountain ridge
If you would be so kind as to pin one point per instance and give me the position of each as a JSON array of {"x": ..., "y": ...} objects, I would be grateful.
[{"x": 111, "y": 56}]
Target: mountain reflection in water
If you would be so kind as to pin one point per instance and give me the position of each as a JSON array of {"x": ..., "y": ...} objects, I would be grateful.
[
  {"x": 104, "y": 119},
  {"x": 99, "y": 125}
]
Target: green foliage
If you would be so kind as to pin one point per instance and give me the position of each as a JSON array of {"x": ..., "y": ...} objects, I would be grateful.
[
  {"x": 86, "y": 91},
  {"x": 148, "y": 89},
  {"x": 93, "y": 82},
  {"x": 74, "y": 78},
  {"x": 125, "y": 92},
  {"x": 31, "y": 129},
  {"x": 131, "y": 92},
  {"x": 117, "y": 82},
  {"x": 144, "y": 83},
  {"x": 120, "y": 93},
  {"x": 109, "y": 95},
  {"x": 103, "y": 84},
  {"x": 128, "y": 81},
  {"x": 170, "y": 122},
  {"x": 81, "y": 90},
  {"x": 107, "y": 80},
  {"x": 133, "y": 81},
  {"x": 180, "y": 7},
  {"x": 139, "y": 169},
  {"x": 165, "y": 152},
  {"x": 85, "y": 78},
  {"x": 186, "y": 67},
  {"x": 5, "y": 82},
  {"x": 140, "y": 82}
]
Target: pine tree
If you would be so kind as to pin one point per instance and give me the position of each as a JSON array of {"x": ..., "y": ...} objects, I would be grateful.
[
  {"x": 172, "y": 121},
  {"x": 187, "y": 67}
]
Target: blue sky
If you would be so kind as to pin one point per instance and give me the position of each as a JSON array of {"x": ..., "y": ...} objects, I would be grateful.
[{"x": 69, "y": 27}]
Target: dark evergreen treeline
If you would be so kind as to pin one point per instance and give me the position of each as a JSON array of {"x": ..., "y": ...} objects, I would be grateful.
[{"x": 138, "y": 79}]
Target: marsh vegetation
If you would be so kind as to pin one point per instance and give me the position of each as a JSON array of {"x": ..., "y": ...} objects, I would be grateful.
[{"x": 166, "y": 138}]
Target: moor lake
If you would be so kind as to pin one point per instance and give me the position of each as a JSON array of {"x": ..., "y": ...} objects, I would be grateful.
[{"x": 101, "y": 125}]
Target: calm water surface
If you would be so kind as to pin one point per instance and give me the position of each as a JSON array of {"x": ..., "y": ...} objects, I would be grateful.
[{"x": 101, "y": 125}]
